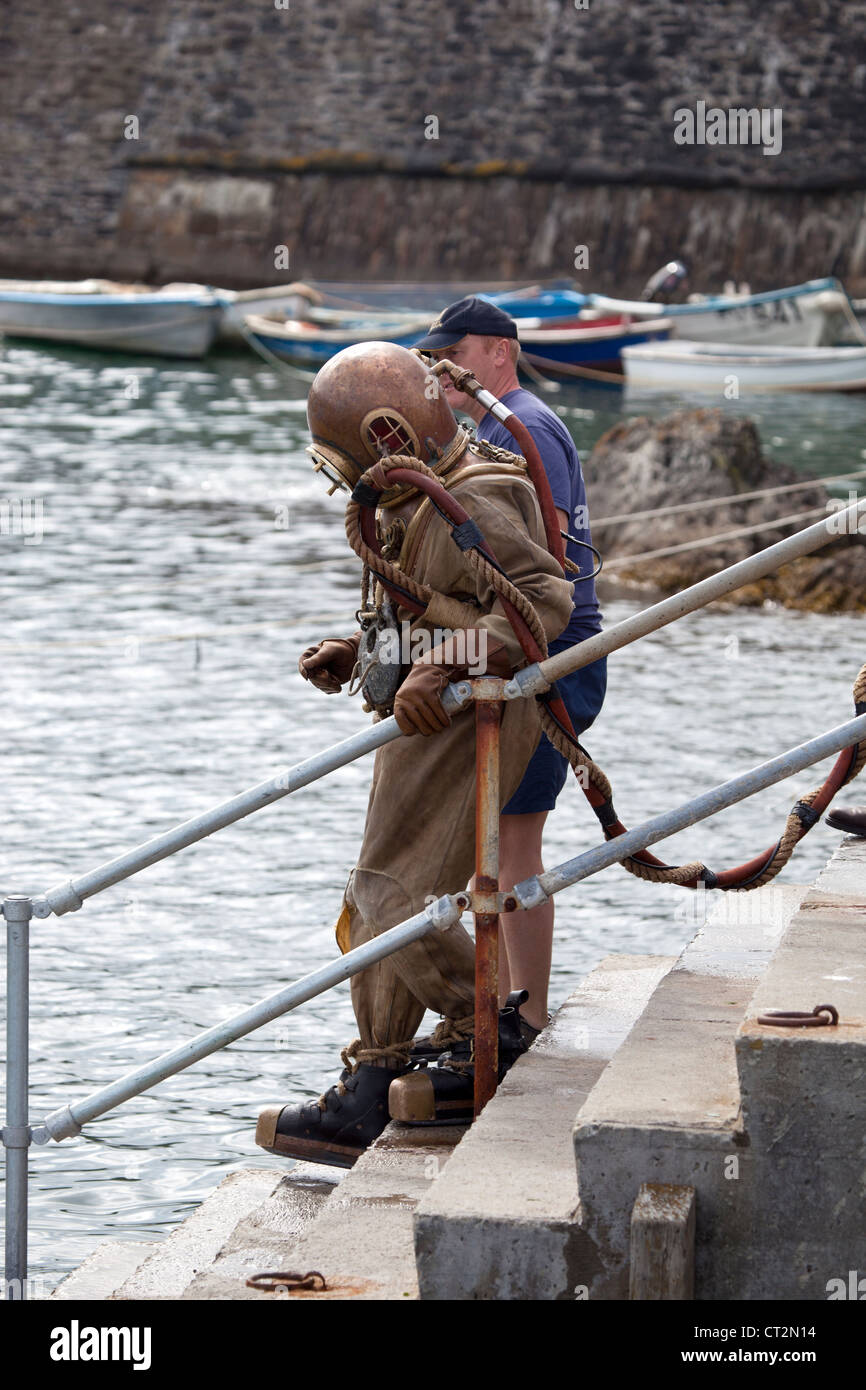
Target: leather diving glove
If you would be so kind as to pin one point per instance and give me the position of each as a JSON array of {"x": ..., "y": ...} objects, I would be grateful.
[
  {"x": 329, "y": 664},
  {"x": 418, "y": 706}
]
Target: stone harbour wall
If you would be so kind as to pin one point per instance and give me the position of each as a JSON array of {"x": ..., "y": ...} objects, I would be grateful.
[{"x": 168, "y": 138}]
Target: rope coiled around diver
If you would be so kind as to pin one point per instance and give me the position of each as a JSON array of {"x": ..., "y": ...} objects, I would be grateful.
[{"x": 591, "y": 777}]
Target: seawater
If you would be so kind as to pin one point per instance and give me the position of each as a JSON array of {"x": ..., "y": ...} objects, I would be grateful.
[{"x": 150, "y": 643}]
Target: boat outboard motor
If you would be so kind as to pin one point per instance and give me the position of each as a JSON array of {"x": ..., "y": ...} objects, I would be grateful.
[{"x": 661, "y": 286}]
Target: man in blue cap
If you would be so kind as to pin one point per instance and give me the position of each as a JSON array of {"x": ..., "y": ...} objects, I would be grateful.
[{"x": 479, "y": 336}]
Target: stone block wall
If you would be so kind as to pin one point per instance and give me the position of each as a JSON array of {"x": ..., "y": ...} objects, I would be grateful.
[{"x": 307, "y": 122}]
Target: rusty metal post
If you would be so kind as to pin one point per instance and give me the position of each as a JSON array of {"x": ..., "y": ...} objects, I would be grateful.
[{"x": 488, "y": 714}]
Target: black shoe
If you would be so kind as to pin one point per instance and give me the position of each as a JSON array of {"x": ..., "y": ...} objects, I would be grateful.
[
  {"x": 851, "y": 819},
  {"x": 444, "y": 1094},
  {"x": 355, "y": 1113},
  {"x": 528, "y": 1033}
]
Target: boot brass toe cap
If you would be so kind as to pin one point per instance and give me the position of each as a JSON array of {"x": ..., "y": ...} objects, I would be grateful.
[
  {"x": 411, "y": 1098},
  {"x": 266, "y": 1129}
]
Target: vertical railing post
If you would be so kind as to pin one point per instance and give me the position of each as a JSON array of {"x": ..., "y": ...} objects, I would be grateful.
[
  {"x": 16, "y": 1134},
  {"x": 488, "y": 714}
]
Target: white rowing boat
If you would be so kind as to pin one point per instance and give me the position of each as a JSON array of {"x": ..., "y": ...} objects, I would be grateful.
[
  {"x": 280, "y": 302},
  {"x": 813, "y": 314},
  {"x": 175, "y": 321},
  {"x": 726, "y": 370}
]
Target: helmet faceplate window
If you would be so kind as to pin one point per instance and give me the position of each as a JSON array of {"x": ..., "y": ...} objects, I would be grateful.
[{"x": 389, "y": 432}]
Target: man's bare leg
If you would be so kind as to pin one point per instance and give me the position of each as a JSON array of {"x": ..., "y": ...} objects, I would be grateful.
[{"x": 526, "y": 937}]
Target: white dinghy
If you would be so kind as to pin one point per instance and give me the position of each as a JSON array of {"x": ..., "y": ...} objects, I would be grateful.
[{"x": 718, "y": 367}]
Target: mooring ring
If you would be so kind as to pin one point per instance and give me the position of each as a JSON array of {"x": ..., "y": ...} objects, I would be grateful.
[{"x": 791, "y": 1018}]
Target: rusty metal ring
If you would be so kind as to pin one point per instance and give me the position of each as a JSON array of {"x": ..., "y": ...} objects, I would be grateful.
[
  {"x": 271, "y": 1281},
  {"x": 791, "y": 1018}
]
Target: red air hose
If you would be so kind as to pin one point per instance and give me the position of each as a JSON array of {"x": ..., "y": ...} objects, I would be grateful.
[
  {"x": 541, "y": 483},
  {"x": 465, "y": 381}
]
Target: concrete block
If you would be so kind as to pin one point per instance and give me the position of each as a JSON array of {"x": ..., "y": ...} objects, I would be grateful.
[
  {"x": 662, "y": 1243},
  {"x": 804, "y": 1090}
]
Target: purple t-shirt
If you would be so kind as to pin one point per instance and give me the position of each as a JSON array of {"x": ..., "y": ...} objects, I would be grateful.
[{"x": 562, "y": 465}]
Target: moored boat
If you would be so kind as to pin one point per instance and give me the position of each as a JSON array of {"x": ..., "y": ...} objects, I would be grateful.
[
  {"x": 816, "y": 313},
  {"x": 175, "y": 321},
  {"x": 279, "y": 301},
  {"x": 555, "y": 349},
  {"x": 568, "y": 350},
  {"x": 304, "y": 344},
  {"x": 723, "y": 368}
]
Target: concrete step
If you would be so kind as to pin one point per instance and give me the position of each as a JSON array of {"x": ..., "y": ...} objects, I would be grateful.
[
  {"x": 260, "y": 1240},
  {"x": 361, "y": 1240},
  {"x": 501, "y": 1222},
  {"x": 804, "y": 1093},
  {"x": 111, "y": 1263},
  {"x": 667, "y": 1109},
  {"x": 259, "y": 1210}
]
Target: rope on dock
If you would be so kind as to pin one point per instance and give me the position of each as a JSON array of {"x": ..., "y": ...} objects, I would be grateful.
[
  {"x": 620, "y": 561},
  {"x": 729, "y": 500}
]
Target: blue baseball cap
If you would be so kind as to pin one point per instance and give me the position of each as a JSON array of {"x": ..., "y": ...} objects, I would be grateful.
[{"x": 469, "y": 315}]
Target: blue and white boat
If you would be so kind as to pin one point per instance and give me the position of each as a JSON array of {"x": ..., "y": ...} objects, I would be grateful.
[
  {"x": 310, "y": 343},
  {"x": 817, "y": 313},
  {"x": 303, "y": 343},
  {"x": 176, "y": 321},
  {"x": 597, "y": 345}
]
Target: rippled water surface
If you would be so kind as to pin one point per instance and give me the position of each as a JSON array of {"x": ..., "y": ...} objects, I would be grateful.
[{"x": 150, "y": 648}]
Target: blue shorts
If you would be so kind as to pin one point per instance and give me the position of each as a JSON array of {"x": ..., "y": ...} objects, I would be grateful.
[{"x": 583, "y": 694}]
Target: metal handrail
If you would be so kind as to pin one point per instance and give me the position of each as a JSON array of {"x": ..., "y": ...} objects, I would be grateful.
[
  {"x": 18, "y": 910},
  {"x": 68, "y": 1121},
  {"x": 438, "y": 916}
]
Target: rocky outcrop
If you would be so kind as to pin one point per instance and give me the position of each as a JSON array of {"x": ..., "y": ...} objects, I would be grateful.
[{"x": 695, "y": 456}]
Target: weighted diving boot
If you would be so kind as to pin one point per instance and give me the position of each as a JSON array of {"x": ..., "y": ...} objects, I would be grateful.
[
  {"x": 444, "y": 1094},
  {"x": 339, "y": 1126}
]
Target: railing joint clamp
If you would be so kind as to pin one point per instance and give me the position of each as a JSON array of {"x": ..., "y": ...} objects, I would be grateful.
[
  {"x": 444, "y": 912},
  {"x": 60, "y": 1124},
  {"x": 63, "y": 898},
  {"x": 15, "y": 1136}
]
